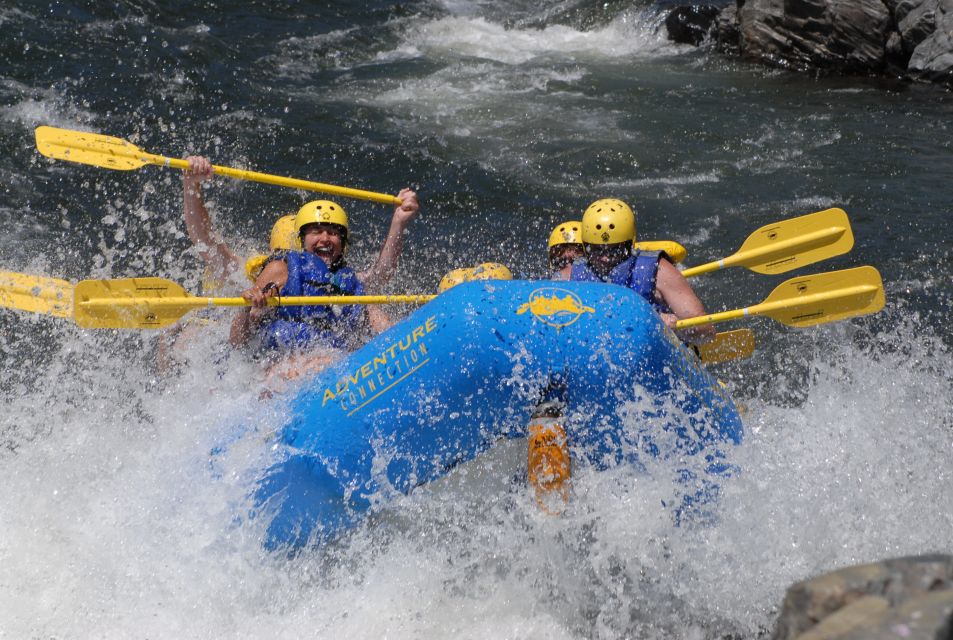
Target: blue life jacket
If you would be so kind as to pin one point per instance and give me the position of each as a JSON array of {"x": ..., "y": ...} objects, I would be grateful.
[
  {"x": 296, "y": 327},
  {"x": 637, "y": 272}
]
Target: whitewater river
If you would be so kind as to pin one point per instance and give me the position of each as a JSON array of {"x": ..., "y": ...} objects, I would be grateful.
[{"x": 507, "y": 117}]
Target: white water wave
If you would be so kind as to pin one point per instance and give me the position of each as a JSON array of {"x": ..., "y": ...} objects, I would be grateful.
[
  {"x": 34, "y": 106},
  {"x": 14, "y": 15},
  {"x": 859, "y": 472},
  {"x": 461, "y": 89},
  {"x": 707, "y": 177},
  {"x": 702, "y": 231},
  {"x": 112, "y": 508},
  {"x": 300, "y": 56},
  {"x": 460, "y": 37},
  {"x": 472, "y": 38},
  {"x": 813, "y": 203}
]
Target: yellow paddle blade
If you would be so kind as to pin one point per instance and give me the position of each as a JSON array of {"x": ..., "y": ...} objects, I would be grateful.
[
  {"x": 89, "y": 148},
  {"x": 672, "y": 249},
  {"x": 826, "y": 297},
  {"x": 728, "y": 345},
  {"x": 36, "y": 294},
  {"x": 790, "y": 244},
  {"x": 810, "y": 300},
  {"x": 129, "y": 303}
]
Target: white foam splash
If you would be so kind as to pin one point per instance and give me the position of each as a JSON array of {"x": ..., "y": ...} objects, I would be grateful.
[
  {"x": 34, "y": 107},
  {"x": 707, "y": 177},
  {"x": 476, "y": 37},
  {"x": 112, "y": 509}
]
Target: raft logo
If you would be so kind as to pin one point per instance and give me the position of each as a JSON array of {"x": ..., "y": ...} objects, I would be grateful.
[
  {"x": 555, "y": 307},
  {"x": 394, "y": 363}
]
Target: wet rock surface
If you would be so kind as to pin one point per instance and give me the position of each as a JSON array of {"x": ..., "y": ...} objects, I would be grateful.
[
  {"x": 690, "y": 25},
  {"x": 908, "y": 597},
  {"x": 902, "y": 38}
]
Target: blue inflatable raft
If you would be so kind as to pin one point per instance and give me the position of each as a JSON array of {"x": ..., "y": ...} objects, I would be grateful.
[{"x": 466, "y": 370}]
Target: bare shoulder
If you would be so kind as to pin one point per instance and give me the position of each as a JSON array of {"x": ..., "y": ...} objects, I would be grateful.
[
  {"x": 677, "y": 292},
  {"x": 668, "y": 274}
]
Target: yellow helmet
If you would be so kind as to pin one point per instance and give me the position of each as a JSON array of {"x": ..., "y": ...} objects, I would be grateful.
[
  {"x": 321, "y": 212},
  {"x": 490, "y": 271},
  {"x": 283, "y": 235},
  {"x": 608, "y": 221},
  {"x": 453, "y": 278},
  {"x": 569, "y": 232},
  {"x": 254, "y": 265}
]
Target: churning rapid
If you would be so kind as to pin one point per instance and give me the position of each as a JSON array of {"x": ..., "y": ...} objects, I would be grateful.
[{"x": 117, "y": 521}]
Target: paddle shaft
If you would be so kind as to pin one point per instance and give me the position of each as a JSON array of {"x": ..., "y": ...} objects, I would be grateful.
[
  {"x": 765, "y": 308},
  {"x": 294, "y": 183},
  {"x": 195, "y": 302},
  {"x": 98, "y": 149}
]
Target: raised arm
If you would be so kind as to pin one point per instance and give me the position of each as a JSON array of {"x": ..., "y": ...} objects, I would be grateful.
[
  {"x": 675, "y": 291},
  {"x": 218, "y": 257},
  {"x": 383, "y": 270}
]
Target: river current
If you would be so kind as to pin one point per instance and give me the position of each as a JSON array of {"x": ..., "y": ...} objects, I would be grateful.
[{"x": 507, "y": 117}]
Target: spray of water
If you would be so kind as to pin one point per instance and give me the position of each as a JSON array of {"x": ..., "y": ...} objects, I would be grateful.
[{"x": 116, "y": 515}]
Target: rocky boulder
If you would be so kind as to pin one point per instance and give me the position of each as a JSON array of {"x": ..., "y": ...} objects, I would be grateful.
[
  {"x": 916, "y": 21},
  {"x": 842, "y": 35},
  {"x": 932, "y": 57},
  {"x": 690, "y": 25},
  {"x": 911, "y": 38},
  {"x": 908, "y": 598}
]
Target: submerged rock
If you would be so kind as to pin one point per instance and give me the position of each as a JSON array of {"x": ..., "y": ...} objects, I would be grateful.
[
  {"x": 900, "y": 598},
  {"x": 907, "y": 38}
]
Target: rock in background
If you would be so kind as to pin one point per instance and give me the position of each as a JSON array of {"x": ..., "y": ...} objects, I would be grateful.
[
  {"x": 910, "y": 38},
  {"x": 691, "y": 25},
  {"x": 901, "y": 598},
  {"x": 843, "y": 35},
  {"x": 927, "y": 30}
]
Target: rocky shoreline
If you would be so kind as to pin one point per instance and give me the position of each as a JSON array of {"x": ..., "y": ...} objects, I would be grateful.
[
  {"x": 911, "y": 39},
  {"x": 908, "y": 598}
]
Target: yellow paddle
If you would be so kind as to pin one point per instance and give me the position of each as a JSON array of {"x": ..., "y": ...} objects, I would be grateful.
[
  {"x": 153, "y": 303},
  {"x": 37, "y": 294},
  {"x": 783, "y": 246},
  {"x": 115, "y": 153},
  {"x": 728, "y": 345},
  {"x": 810, "y": 300}
]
